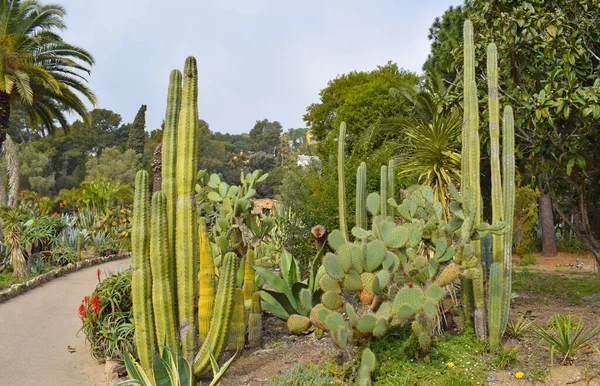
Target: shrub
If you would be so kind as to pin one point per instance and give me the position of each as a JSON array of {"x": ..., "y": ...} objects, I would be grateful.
[
  {"x": 107, "y": 317},
  {"x": 526, "y": 218},
  {"x": 527, "y": 260},
  {"x": 62, "y": 255}
]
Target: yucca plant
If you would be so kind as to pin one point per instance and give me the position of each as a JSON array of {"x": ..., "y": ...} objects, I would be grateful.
[
  {"x": 567, "y": 338},
  {"x": 517, "y": 328}
]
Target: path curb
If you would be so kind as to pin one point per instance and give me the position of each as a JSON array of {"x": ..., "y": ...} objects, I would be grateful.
[{"x": 18, "y": 289}]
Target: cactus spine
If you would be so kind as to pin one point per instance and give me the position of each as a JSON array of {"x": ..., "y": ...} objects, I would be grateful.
[
  {"x": 383, "y": 189},
  {"x": 206, "y": 297},
  {"x": 342, "y": 180},
  {"x": 219, "y": 326},
  {"x": 361, "y": 196},
  {"x": 162, "y": 291},
  {"x": 141, "y": 281},
  {"x": 186, "y": 244},
  {"x": 508, "y": 154},
  {"x": 168, "y": 162}
]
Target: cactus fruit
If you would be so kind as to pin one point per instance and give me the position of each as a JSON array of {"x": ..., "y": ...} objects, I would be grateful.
[
  {"x": 297, "y": 324},
  {"x": 219, "y": 325},
  {"x": 255, "y": 322},
  {"x": 206, "y": 298},
  {"x": 141, "y": 280},
  {"x": 331, "y": 300},
  {"x": 361, "y": 196},
  {"x": 162, "y": 291},
  {"x": 342, "y": 180}
]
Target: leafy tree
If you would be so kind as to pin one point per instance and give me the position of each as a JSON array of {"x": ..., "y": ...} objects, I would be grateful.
[
  {"x": 264, "y": 136},
  {"x": 137, "y": 132},
  {"x": 361, "y": 99},
  {"x": 114, "y": 165},
  {"x": 35, "y": 171},
  {"x": 40, "y": 73},
  {"x": 549, "y": 74}
]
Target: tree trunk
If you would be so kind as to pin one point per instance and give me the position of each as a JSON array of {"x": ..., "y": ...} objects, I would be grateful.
[
  {"x": 157, "y": 168},
  {"x": 547, "y": 223},
  {"x": 4, "y": 115}
]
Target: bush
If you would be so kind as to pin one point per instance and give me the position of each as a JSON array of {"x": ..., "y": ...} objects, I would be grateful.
[
  {"x": 526, "y": 218},
  {"x": 107, "y": 317},
  {"x": 62, "y": 255}
]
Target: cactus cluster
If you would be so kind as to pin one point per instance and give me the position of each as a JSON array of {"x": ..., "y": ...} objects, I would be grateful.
[{"x": 174, "y": 289}]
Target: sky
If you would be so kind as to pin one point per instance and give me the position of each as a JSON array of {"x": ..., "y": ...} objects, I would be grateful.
[{"x": 256, "y": 58}]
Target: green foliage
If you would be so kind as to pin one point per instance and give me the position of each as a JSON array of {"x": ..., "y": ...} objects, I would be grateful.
[
  {"x": 527, "y": 260},
  {"x": 567, "y": 289},
  {"x": 400, "y": 363},
  {"x": 518, "y": 328},
  {"x": 34, "y": 170},
  {"x": 504, "y": 358},
  {"x": 62, "y": 255},
  {"x": 137, "y": 131},
  {"x": 293, "y": 235},
  {"x": 109, "y": 330},
  {"x": 526, "y": 218},
  {"x": 113, "y": 165},
  {"x": 567, "y": 338},
  {"x": 168, "y": 369},
  {"x": 304, "y": 374},
  {"x": 98, "y": 195},
  {"x": 264, "y": 136}
]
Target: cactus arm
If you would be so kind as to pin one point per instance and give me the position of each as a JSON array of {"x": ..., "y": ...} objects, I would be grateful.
[
  {"x": 219, "y": 326},
  {"x": 162, "y": 291},
  {"x": 508, "y": 153},
  {"x": 391, "y": 179},
  {"x": 383, "y": 189},
  {"x": 249, "y": 275},
  {"x": 168, "y": 162},
  {"x": 361, "y": 196},
  {"x": 342, "y": 180},
  {"x": 206, "y": 297},
  {"x": 186, "y": 244},
  {"x": 237, "y": 332},
  {"x": 255, "y": 322},
  {"x": 141, "y": 282}
]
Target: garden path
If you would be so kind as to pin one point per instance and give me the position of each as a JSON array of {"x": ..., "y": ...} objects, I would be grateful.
[{"x": 37, "y": 327}]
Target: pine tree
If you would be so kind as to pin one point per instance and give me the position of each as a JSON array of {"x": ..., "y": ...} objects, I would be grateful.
[{"x": 137, "y": 133}]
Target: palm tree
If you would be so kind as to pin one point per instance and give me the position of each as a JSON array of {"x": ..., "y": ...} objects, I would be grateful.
[{"x": 39, "y": 72}]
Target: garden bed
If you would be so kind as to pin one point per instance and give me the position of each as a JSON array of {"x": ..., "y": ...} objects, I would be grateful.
[{"x": 17, "y": 289}]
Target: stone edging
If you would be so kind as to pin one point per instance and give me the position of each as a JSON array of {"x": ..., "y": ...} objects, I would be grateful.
[{"x": 17, "y": 289}]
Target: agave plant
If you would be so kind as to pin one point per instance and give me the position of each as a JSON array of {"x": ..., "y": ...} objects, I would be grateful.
[{"x": 568, "y": 338}]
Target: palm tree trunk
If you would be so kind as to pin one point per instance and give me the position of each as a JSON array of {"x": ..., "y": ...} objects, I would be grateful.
[
  {"x": 547, "y": 223},
  {"x": 4, "y": 115}
]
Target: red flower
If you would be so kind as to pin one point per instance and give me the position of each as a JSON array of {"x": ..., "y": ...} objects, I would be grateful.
[
  {"x": 61, "y": 205},
  {"x": 98, "y": 272},
  {"x": 82, "y": 313},
  {"x": 39, "y": 197},
  {"x": 86, "y": 299},
  {"x": 41, "y": 208},
  {"x": 55, "y": 214},
  {"x": 96, "y": 304},
  {"x": 410, "y": 285},
  {"x": 23, "y": 194}
]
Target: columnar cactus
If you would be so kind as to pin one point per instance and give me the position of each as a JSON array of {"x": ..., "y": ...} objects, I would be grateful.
[
  {"x": 141, "y": 280},
  {"x": 206, "y": 297},
  {"x": 255, "y": 322},
  {"x": 342, "y": 180},
  {"x": 169, "y": 149},
  {"x": 249, "y": 274},
  {"x": 361, "y": 196},
  {"x": 391, "y": 179},
  {"x": 219, "y": 326},
  {"x": 162, "y": 290},
  {"x": 186, "y": 243},
  {"x": 508, "y": 175},
  {"x": 383, "y": 192}
]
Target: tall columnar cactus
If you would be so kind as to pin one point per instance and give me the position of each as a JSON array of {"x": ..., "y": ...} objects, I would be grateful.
[
  {"x": 255, "y": 322},
  {"x": 383, "y": 192},
  {"x": 186, "y": 244},
  {"x": 237, "y": 332},
  {"x": 508, "y": 175},
  {"x": 249, "y": 274},
  {"x": 361, "y": 196},
  {"x": 141, "y": 281},
  {"x": 342, "y": 180},
  {"x": 206, "y": 298},
  {"x": 169, "y": 149},
  {"x": 471, "y": 171},
  {"x": 219, "y": 326},
  {"x": 391, "y": 180},
  {"x": 162, "y": 289}
]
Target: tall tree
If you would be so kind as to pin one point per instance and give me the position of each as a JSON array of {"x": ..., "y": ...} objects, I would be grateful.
[
  {"x": 264, "y": 136},
  {"x": 39, "y": 72},
  {"x": 137, "y": 132}
]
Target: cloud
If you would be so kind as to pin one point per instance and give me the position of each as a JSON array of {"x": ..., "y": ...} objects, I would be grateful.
[{"x": 256, "y": 59}]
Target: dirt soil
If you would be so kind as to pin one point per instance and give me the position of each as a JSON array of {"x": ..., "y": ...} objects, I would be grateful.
[
  {"x": 280, "y": 352},
  {"x": 37, "y": 329},
  {"x": 562, "y": 262}
]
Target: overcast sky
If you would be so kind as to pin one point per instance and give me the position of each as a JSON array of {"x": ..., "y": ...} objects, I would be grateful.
[{"x": 256, "y": 58}]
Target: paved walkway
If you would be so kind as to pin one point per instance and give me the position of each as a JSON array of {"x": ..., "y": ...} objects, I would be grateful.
[{"x": 36, "y": 328}]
